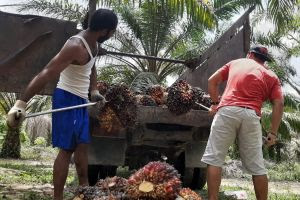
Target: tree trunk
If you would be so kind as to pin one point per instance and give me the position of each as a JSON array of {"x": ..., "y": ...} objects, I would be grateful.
[
  {"x": 92, "y": 8},
  {"x": 12, "y": 146}
]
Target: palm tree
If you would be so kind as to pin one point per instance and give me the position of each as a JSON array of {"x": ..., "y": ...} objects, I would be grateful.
[
  {"x": 150, "y": 31},
  {"x": 197, "y": 10},
  {"x": 11, "y": 147},
  {"x": 287, "y": 42},
  {"x": 289, "y": 126}
]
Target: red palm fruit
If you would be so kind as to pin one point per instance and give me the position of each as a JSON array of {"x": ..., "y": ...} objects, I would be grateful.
[
  {"x": 188, "y": 194},
  {"x": 180, "y": 97},
  {"x": 156, "y": 180}
]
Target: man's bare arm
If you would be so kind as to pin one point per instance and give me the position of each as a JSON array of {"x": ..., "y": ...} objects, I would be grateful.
[
  {"x": 277, "y": 111},
  {"x": 213, "y": 86},
  {"x": 93, "y": 79},
  {"x": 52, "y": 70}
]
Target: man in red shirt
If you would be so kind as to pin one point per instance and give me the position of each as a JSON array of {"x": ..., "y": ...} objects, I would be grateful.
[{"x": 249, "y": 84}]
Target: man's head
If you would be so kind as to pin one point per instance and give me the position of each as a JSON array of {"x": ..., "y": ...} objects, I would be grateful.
[
  {"x": 259, "y": 53},
  {"x": 105, "y": 22}
]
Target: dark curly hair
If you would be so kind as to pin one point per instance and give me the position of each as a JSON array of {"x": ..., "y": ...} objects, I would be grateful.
[{"x": 103, "y": 19}]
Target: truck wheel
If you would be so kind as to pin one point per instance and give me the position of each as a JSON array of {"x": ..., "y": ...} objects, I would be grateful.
[
  {"x": 194, "y": 178},
  {"x": 96, "y": 172},
  {"x": 107, "y": 171},
  {"x": 199, "y": 178},
  {"x": 93, "y": 174}
]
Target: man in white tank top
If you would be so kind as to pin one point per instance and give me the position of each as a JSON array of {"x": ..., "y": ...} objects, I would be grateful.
[{"x": 74, "y": 65}]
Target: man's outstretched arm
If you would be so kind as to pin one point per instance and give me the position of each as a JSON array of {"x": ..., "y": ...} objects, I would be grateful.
[{"x": 51, "y": 72}]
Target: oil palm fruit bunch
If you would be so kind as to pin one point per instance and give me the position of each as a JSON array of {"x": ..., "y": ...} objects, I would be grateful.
[
  {"x": 157, "y": 93},
  {"x": 109, "y": 121},
  {"x": 156, "y": 180},
  {"x": 87, "y": 193},
  {"x": 114, "y": 187},
  {"x": 123, "y": 103},
  {"x": 206, "y": 100},
  {"x": 102, "y": 87},
  {"x": 147, "y": 100},
  {"x": 180, "y": 97},
  {"x": 198, "y": 98},
  {"x": 188, "y": 194}
]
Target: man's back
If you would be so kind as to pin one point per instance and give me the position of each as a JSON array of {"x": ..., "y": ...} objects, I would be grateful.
[{"x": 249, "y": 84}]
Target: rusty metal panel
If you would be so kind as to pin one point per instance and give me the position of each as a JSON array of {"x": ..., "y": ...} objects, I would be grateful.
[
  {"x": 231, "y": 50},
  {"x": 28, "y": 42},
  {"x": 152, "y": 114},
  {"x": 233, "y": 44}
]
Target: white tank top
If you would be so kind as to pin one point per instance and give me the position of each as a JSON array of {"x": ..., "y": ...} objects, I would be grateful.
[{"x": 76, "y": 78}]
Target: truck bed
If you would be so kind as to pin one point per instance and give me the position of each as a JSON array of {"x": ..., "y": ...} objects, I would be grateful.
[{"x": 154, "y": 114}]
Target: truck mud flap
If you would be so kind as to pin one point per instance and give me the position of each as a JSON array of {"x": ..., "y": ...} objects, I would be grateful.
[
  {"x": 193, "y": 154},
  {"x": 107, "y": 151}
]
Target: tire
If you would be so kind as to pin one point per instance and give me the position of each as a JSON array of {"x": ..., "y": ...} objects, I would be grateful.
[
  {"x": 107, "y": 171},
  {"x": 96, "y": 172},
  {"x": 93, "y": 174},
  {"x": 199, "y": 178},
  {"x": 194, "y": 178}
]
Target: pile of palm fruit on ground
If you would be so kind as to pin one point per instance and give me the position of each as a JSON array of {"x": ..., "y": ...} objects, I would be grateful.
[
  {"x": 121, "y": 109},
  {"x": 154, "y": 181}
]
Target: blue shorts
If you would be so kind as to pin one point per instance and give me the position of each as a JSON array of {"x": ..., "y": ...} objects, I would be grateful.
[{"x": 71, "y": 127}]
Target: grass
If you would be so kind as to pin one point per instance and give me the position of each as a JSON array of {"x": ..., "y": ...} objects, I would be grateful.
[
  {"x": 250, "y": 193},
  {"x": 30, "y": 174},
  {"x": 27, "y": 196},
  {"x": 287, "y": 171},
  {"x": 46, "y": 154},
  {"x": 27, "y": 172}
]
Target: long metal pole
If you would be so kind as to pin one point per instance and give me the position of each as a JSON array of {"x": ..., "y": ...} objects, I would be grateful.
[
  {"x": 60, "y": 109},
  {"x": 202, "y": 106},
  {"x": 146, "y": 57}
]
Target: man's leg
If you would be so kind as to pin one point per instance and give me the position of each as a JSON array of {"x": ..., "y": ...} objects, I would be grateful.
[
  {"x": 260, "y": 183},
  {"x": 81, "y": 163},
  {"x": 213, "y": 181},
  {"x": 60, "y": 172},
  {"x": 250, "y": 148}
]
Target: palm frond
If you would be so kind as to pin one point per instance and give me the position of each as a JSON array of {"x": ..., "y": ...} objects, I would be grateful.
[
  {"x": 116, "y": 74},
  {"x": 39, "y": 103},
  {"x": 294, "y": 120},
  {"x": 281, "y": 11},
  {"x": 142, "y": 81},
  {"x": 62, "y": 9},
  {"x": 271, "y": 39},
  {"x": 224, "y": 9},
  {"x": 197, "y": 10},
  {"x": 291, "y": 102}
]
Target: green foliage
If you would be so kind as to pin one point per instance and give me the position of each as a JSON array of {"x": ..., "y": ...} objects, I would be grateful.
[
  {"x": 24, "y": 138},
  {"x": 31, "y": 195},
  {"x": 27, "y": 174},
  {"x": 251, "y": 194},
  {"x": 44, "y": 154},
  {"x": 65, "y": 9},
  {"x": 40, "y": 141},
  {"x": 233, "y": 151},
  {"x": 285, "y": 171},
  {"x": 199, "y": 11},
  {"x": 3, "y": 129},
  {"x": 116, "y": 74},
  {"x": 142, "y": 81},
  {"x": 154, "y": 30}
]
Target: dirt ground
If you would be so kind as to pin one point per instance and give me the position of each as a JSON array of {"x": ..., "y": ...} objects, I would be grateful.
[{"x": 44, "y": 191}]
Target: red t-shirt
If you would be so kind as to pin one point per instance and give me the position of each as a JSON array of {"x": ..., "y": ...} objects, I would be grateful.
[{"x": 249, "y": 84}]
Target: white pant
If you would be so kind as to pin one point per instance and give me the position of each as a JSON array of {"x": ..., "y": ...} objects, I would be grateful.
[{"x": 231, "y": 122}]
